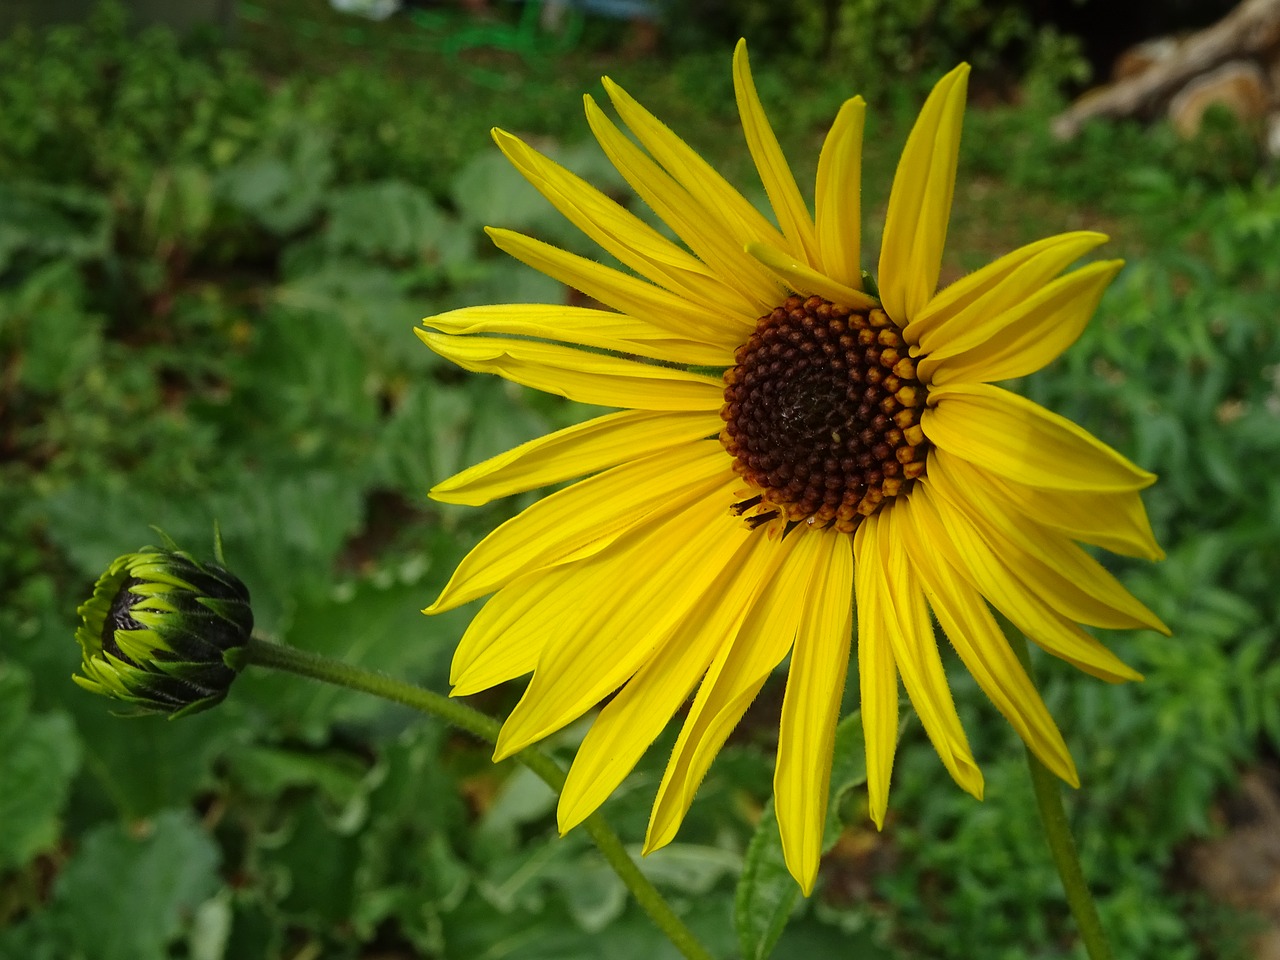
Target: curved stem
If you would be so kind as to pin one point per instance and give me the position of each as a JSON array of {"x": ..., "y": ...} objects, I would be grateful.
[
  {"x": 279, "y": 657},
  {"x": 1057, "y": 831}
]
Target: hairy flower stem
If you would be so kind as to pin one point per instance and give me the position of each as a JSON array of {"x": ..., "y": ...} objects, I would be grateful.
[
  {"x": 1057, "y": 831},
  {"x": 265, "y": 654}
]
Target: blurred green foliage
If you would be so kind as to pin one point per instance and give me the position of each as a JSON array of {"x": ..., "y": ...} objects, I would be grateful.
[
  {"x": 208, "y": 280},
  {"x": 888, "y": 40}
]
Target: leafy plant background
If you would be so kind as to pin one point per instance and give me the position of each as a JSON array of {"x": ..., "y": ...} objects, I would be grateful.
[{"x": 211, "y": 262}]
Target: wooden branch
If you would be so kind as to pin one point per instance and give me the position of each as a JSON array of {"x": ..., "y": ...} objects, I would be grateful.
[{"x": 1251, "y": 29}]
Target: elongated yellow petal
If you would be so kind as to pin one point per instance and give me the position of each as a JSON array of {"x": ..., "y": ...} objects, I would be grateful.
[
  {"x": 601, "y": 644},
  {"x": 691, "y": 222},
  {"x": 614, "y": 228},
  {"x": 1028, "y": 337},
  {"x": 915, "y": 228},
  {"x": 603, "y": 329},
  {"x": 740, "y": 219},
  {"x": 575, "y": 451},
  {"x": 1116, "y": 521},
  {"x": 806, "y": 281},
  {"x": 838, "y": 197},
  {"x": 585, "y": 518},
  {"x": 1062, "y": 574},
  {"x": 877, "y": 675},
  {"x": 634, "y": 718},
  {"x": 784, "y": 196},
  {"x": 733, "y": 680},
  {"x": 811, "y": 706},
  {"x": 999, "y": 286},
  {"x": 489, "y": 653},
  {"x": 632, "y": 296},
  {"x": 983, "y": 649},
  {"x": 578, "y": 375},
  {"x": 968, "y": 554},
  {"x": 915, "y": 651},
  {"x": 1020, "y": 440}
]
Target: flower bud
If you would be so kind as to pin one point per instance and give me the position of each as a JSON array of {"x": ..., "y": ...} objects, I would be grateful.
[{"x": 164, "y": 632}]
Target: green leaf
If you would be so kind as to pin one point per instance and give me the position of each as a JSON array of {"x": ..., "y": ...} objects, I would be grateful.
[
  {"x": 489, "y": 190},
  {"x": 46, "y": 221},
  {"x": 283, "y": 186},
  {"x": 320, "y": 858},
  {"x": 38, "y": 757},
  {"x": 129, "y": 892},
  {"x": 389, "y": 218},
  {"x": 145, "y": 764},
  {"x": 767, "y": 893},
  {"x": 269, "y": 771}
]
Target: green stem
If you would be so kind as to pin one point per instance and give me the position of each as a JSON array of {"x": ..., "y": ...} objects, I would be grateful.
[
  {"x": 279, "y": 657},
  {"x": 1057, "y": 831}
]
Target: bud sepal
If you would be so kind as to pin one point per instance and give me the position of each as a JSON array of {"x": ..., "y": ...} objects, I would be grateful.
[{"x": 164, "y": 632}]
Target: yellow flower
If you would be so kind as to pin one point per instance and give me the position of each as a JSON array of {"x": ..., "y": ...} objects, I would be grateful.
[{"x": 853, "y": 450}]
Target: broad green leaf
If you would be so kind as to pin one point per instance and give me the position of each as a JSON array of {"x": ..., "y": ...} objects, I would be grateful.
[
  {"x": 268, "y": 771},
  {"x": 144, "y": 764},
  {"x": 387, "y": 218},
  {"x": 38, "y": 757},
  {"x": 129, "y": 893}
]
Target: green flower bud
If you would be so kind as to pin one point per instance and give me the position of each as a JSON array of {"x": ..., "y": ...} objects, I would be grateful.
[{"x": 164, "y": 632}]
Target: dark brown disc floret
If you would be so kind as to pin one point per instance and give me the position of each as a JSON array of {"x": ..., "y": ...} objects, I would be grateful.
[{"x": 822, "y": 415}]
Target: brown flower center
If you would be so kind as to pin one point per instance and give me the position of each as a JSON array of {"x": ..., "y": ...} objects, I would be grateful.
[{"x": 822, "y": 415}]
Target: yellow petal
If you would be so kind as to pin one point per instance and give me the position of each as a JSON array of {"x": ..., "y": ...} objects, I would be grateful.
[
  {"x": 838, "y": 199},
  {"x": 586, "y": 517},
  {"x": 616, "y": 229},
  {"x": 996, "y": 288},
  {"x": 915, "y": 227},
  {"x": 691, "y": 222},
  {"x": 733, "y": 680},
  {"x": 810, "y": 707},
  {"x": 1062, "y": 574},
  {"x": 632, "y": 296},
  {"x": 915, "y": 651},
  {"x": 877, "y": 675},
  {"x": 509, "y": 635},
  {"x": 575, "y": 451},
  {"x": 983, "y": 649},
  {"x": 959, "y": 542},
  {"x": 651, "y": 587},
  {"x": 784, "y": 196},
  {"x": 806, "y": 281},
  {"x": 578, "y": 375},
  {"x": 489, "y": 653},
  {"x": 732, "y": 211},
  {"x": 603, "y": 329},
  {"x": 1027, "y": 337},
  {"x": 626, "y": 728},
  {"x": 1015, "y": 438},
  {"x": 1116, "y": 521}
]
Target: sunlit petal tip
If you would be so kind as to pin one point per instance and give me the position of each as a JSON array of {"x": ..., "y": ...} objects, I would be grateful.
[
  {"x": 877, "y": 807},
  {"x": 789, "y": 207},
  {"x": 806, "y": 876},
  {"x": 569, "y": 815},
  {"x": 838, "y": 196},
  {"x": 969, "y": 777},
  {"x": 1067, "y": 774},
  {"x": 507, "y": 745},
  {"x": 915, "y": 229}
]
